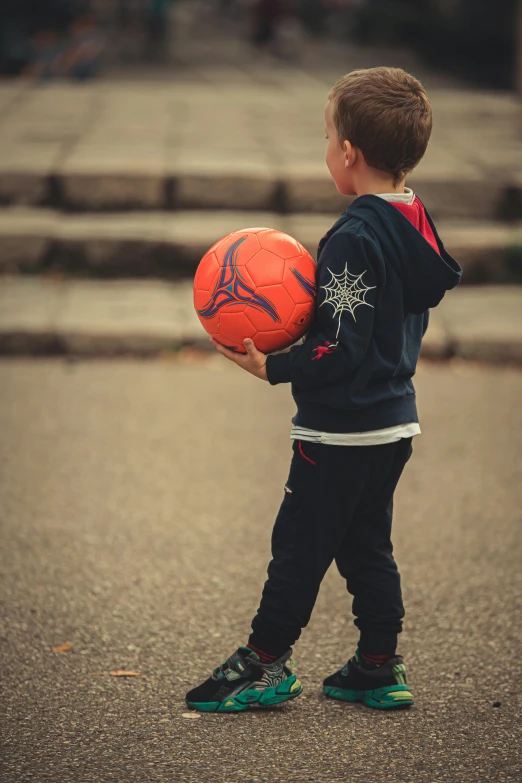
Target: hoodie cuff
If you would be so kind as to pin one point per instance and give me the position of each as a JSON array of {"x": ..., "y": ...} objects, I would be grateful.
[{"x": 278, "y": 368}]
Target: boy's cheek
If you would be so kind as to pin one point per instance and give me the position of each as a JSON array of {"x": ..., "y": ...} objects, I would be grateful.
[{"x": 339, "y": 174}]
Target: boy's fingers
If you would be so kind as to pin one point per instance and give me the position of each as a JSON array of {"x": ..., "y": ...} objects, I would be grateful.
[
  {"x": 250, "y": 347},
  {"x": 222, "y": 350},
  {"x": 226, "y": 352}
]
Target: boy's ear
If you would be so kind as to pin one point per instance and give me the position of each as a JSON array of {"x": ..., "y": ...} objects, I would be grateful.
[{"x": 350, "y": 154}]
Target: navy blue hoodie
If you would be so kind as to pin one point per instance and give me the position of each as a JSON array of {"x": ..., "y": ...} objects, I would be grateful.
[{"x": 377, "y": 276}]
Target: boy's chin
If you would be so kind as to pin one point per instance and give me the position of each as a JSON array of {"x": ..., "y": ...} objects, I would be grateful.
[{"x": 345, "y": 190}]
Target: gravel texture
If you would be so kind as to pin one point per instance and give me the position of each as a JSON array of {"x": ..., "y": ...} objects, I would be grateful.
[{"x": 136, "y": 507}]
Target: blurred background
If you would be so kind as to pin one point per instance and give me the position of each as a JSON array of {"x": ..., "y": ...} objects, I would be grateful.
[
  {"x": 60, "y": 38},
  {"x": 140, "y": 473},
  {"x": 74, "y": 38},
  {"x": 133, "y": 133}
]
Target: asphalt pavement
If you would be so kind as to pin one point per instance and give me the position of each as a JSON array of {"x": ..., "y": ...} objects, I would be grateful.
[{"x": 136, "y": 507}]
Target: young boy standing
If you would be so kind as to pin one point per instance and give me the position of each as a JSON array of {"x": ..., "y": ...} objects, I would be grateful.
[{"x": 379, "y": 270}]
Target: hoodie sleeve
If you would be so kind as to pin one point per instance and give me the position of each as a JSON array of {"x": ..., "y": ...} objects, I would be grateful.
[{"x": 341, "y": 335}]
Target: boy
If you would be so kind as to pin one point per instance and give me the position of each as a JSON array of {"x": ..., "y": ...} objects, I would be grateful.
[{"x": 379, "y": 270}]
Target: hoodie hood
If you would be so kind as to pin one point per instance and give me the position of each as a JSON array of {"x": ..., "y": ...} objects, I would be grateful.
[{"x": 426, "y": 274}]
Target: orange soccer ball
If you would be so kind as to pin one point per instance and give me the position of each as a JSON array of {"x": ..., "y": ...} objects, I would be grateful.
[{"x": 258, "y": 283}]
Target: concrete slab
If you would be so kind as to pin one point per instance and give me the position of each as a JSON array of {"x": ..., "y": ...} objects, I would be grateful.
[
  {"x": 452, "y": 197},
  {"x": 28, "y": 188},
  {"x": 221, "y": 180},
  {"x": 107, "y": 245},
  {"x": 193, "y": 236},
  {"x": 28, "y": 311},
  {"x": 25, "y": 238},
  {"x": 89, "y": 318},
  {"x": 98, "y": 191},
  {"x": 96, "y": 177},
  {"x": 279, "y": 121},
  {"x": 166, "y": 243},
  {"x": 25, "y": 170},
  {"x": 309, "y": 229},
  {"x": 487, "y": 252},
  {"x": 11, "y": 93},
  {"x": 29, "y": 303},
  {"x": 485, "y": 323},
  {"x": 436, "y": 343},
  {"x": 308, "y": 188},
  {"x": 124, "y": 317}
]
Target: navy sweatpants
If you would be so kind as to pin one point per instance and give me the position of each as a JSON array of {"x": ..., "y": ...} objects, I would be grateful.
[{"x": 338, "y": 505}]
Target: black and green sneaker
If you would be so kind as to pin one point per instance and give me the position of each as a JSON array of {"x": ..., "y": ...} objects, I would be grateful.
[
  {"x": 384, "y": 688},
  {"x": 244, "y": 681}
]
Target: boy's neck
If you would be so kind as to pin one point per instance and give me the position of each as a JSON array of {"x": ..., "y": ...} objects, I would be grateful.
[{"x": 373, "y": 183}]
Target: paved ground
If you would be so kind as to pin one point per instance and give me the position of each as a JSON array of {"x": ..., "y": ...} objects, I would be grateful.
[
  {"x": 137, "y": 504},
  {"x": 89, "y": 318}
]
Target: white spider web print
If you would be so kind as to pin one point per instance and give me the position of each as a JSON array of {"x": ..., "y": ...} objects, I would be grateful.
[{"x": 345, "y": 292}]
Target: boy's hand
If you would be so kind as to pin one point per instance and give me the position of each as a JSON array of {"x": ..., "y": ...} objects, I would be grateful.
[{"x": 253, "y": 361}]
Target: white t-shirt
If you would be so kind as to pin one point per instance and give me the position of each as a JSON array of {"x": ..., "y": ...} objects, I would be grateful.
[{"x": 372, "y": 437}]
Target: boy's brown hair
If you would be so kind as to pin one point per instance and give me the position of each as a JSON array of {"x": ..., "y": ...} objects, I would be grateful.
[{"x": 386, "y": 113}]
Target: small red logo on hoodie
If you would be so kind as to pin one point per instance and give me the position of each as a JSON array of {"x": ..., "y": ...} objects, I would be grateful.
[{"x": 323, "y": 350}]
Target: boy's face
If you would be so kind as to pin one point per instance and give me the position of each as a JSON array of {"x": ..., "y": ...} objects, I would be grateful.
[{"x": 337, "y": 156}]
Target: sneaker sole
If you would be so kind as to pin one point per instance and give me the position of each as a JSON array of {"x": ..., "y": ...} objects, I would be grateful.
[
  {"x": 392, "y": 697},
  {"x": 286, "y": 690}
]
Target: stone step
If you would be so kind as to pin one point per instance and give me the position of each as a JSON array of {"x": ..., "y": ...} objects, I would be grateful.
[
  {"x": 146, "y": 145},
  {"x": 112, "y": 182},
  {"x": 246, "y": 187},
  {"x": 88, "y": 318},
  {"x": 169, "y": 245}
]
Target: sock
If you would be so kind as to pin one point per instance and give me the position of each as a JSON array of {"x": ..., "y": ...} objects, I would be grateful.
[
  {"x": 262, "y": 655},
  {"x": 372, "y": 661}
]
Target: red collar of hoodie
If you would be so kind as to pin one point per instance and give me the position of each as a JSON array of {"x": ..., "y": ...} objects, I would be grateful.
[{"x": 416, "y": 215}]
